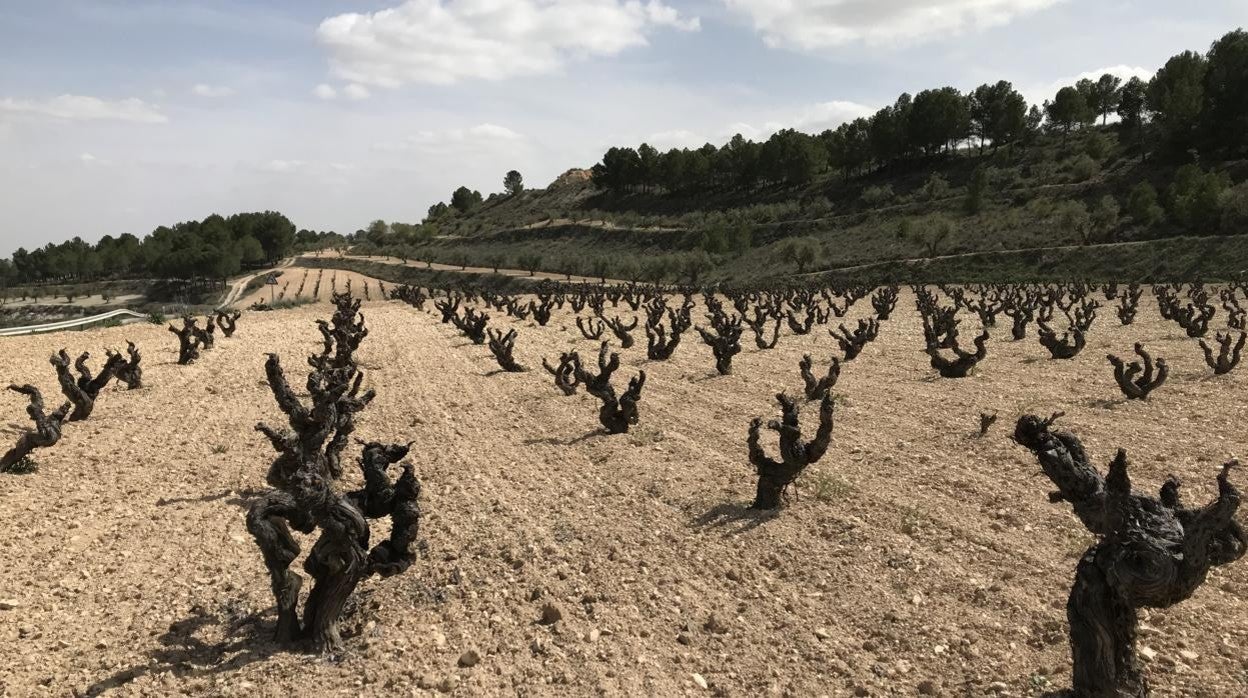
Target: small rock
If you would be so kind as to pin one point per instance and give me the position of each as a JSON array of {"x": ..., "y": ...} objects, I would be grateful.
[
  {"x": 594, "y": 635},
  {"x": 1189, "y": 656},
  {"x": 697, "y": 678},
  {"x": 1147, "y": 653},
  {"x": 551, "y": 614},
  {"x": 822, "y": 633},
  {"x": 469, "y": 659},
  {"x": 927, "y": 688},
  {"x": 684, "y": 639},
  {"x": 715, "y": 625},
  {"x": 8, "y": 604},
  {"x": 998, "y": 687},
  {"x": 448, "y": 684}
]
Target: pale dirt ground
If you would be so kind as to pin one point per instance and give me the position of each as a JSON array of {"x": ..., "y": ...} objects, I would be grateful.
[
  {"x": 931, "y": 556},
  {"x": 79, "y": 301},
  {"x": 300, "y": 283}
]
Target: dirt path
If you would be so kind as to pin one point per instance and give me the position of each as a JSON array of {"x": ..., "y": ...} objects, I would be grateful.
[
  {"x": 915, "y": 557},
  {"x": 240, "y": 286},
  {"x": 1021, "y": 250},
  {"x": 574, "y": 278}
]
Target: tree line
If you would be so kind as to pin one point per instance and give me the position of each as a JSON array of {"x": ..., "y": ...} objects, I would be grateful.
[
  {"x": 1195, "y": 102},
  {"x": 214, "y": 248}
]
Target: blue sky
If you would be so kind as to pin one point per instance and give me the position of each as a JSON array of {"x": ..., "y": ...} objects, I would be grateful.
[{"x": 120, "y": 116}]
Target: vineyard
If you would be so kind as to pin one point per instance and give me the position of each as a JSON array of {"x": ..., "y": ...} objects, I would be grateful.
[
  {"x": 612, "y": 490},
  {"x": 315, "y": 285}
]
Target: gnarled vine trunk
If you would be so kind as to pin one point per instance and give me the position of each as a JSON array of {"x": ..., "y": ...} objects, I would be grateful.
[
  {"x": 47, "y": 429},
  {"x": 305, "y": 498},
  {"x": 1152, "y": 553},
  {"x": 774, "y": 476}
]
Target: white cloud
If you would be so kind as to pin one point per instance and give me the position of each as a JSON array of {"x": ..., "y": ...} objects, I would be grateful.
[
  {"x": 1125, "y": 72},
  {"x": 316, "y": 169},
  {"x": 80, "y": 108},
  {"x": 90, "y": 160},
  {"x": 356, "y": 91},
  {"x": 1037, "y": 94},
  {"x": 819, "y": 117},
  {"x": 441, "y": 42},
  {"x": 812, "y": 119},
  {"x": 323, "y": 91},
  {"x": 282, "y": 166},
  {"x": 494, "y": 132},
  {"x": 212, "y": 91},
  {"x": 678, "y": 138},
  {"x": 817, "y": 24},
  {"x": 482, "y": 135}
]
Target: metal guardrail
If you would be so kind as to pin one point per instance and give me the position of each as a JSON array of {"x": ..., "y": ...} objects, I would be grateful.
[{"x": 71, "y": 324}]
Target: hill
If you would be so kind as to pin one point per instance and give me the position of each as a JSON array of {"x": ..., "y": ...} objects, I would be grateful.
[
  {"x": 1088, "y": 191},
  {"x": 936, "y": 174}
]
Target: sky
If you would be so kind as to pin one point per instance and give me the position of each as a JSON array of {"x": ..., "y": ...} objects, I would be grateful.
[{"x": 117, "y": 116}]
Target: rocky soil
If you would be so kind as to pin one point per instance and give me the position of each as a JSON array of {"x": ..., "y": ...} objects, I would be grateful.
[{"x": 914, "y": 559}]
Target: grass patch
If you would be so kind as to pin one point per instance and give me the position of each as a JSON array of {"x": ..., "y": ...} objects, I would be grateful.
[
  {"x": 24, "y": 466},
  {"x": 285, "y": 304},
  {"x": 830, "y": 488},
  {"x": 912, "y": 521}
]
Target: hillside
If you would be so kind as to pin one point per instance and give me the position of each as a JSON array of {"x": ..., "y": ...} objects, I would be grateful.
[{"x": 1062, "y": 192}]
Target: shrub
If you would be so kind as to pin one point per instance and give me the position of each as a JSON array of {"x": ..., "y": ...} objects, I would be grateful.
[
  {"x": 626, "y": 268},
  {"x": 1096, "y": 145},
  {"x": 529, "y": 262},
  {"x": 1142, "y": 205},
  {"x": 936, "y": 187},
  {"x": 289, "y": 303},
  {"x": 934, "y": 230},
  {"x": 976, "y": 190},
  {"x": 1104, "y": 216},
  {"x": 156, "y": 318},
  {"x": 25, "y": 466},
  {"x": 693, "y": 264},
  {"x": 657, "y": 269},
  {"x": 818, "y": 207},
  {"x": 1042, "y": 171},
  {"x": 1073, "y": 216},
  {"x": 831, "y": 488},
  {"x": 1004, "y": 177},
  {"x": 1195, "y": 198},
  {"x": 802, "y": 252},
  {"x": 877, "y": 196},
  {"x": 1235, "y": 210},
  {"x": 905, "y": 228},
  {"x": 1084, "y": 168}
]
